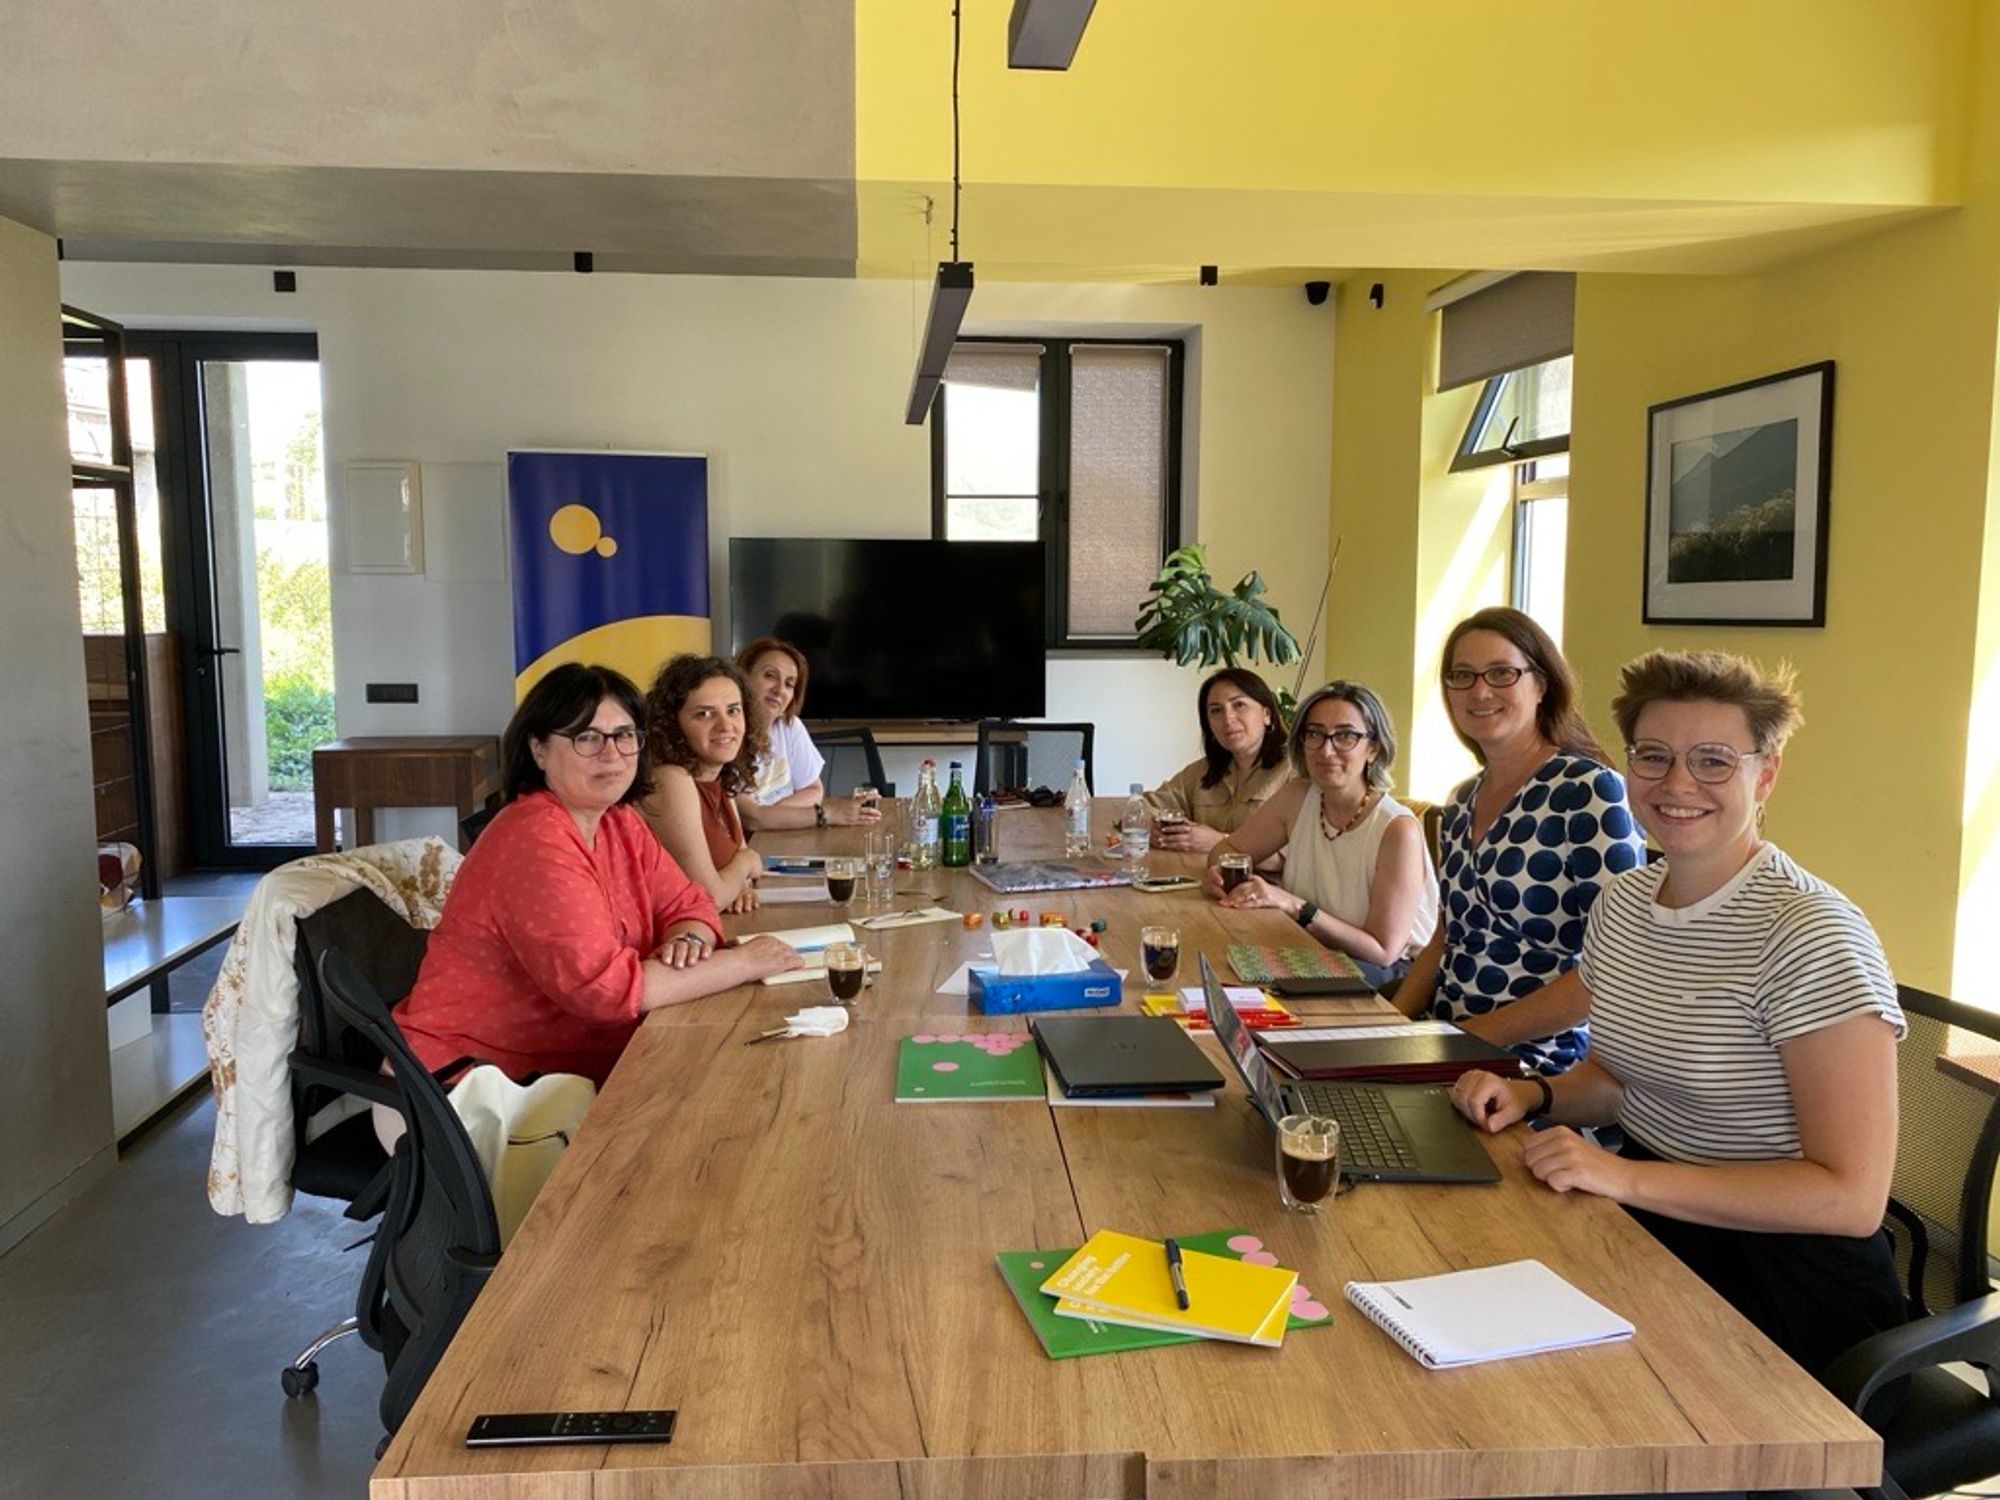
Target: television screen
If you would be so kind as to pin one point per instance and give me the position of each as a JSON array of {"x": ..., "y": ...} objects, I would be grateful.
[{"x": 898, "y": 629}]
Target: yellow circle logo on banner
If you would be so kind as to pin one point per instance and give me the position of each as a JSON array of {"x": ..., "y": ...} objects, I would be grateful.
[{"x": 576, "y": 529}]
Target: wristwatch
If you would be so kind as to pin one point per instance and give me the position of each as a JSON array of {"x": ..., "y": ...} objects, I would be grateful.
[
  {"x": 1548, "y": 1097},
  {"x": 819, "y": 814},
  {"x": 1306, "y": 913}
]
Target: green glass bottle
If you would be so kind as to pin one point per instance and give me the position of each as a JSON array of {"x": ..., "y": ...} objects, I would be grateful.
[{"x": 955, "y": 823}]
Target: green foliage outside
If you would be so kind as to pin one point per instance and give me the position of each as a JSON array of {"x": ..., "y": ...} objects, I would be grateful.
[{"x": 297, "y": 607}]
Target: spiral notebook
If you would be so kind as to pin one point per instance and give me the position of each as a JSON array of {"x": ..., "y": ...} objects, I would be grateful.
[{"x": 1493, "y": 1312}]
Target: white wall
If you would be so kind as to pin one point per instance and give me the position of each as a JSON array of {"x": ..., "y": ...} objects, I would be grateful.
[
  {"x": 55, "y": 1071},
  {"x": 794, "y": 389}
]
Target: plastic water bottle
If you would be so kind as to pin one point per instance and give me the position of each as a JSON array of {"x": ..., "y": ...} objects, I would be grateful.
[
  {"x": 1135, "y": 831},
  {"x": 924, "y": 818},
  {"x": 1076, "y": 816}
]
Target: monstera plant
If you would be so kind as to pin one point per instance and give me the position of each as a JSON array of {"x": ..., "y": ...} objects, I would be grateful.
[{"x": 1189, "y": 620}]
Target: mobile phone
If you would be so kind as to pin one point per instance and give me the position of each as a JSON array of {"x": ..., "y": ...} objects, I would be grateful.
[
  {"x": 1163, "y": 883},
  {"x": 1338, "y": 984},
  {"x": 513, "y": 1428}
]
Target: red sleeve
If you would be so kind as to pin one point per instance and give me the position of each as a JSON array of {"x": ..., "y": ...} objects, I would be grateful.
[
  {"x": 553, "y": 915},
  {"x": 675, "y": 897}
]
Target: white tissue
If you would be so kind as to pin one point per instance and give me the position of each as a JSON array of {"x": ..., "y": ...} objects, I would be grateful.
[
  {"x": 818, "y": 1020},
  {"x": 1041, "y": 950}
]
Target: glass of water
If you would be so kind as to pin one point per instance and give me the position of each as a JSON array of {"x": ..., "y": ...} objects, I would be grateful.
[{"x": 878, "y": 867}]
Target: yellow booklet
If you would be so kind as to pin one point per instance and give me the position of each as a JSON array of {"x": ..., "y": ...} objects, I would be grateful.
[{"x": 1123, "y": 1279}]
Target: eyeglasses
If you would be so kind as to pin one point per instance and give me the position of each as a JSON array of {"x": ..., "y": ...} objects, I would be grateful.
[
  {"x": 1458, "y": 679},
  {"x": 1649, "y": 760},
  {"x": 590, "y": 743},
  {"x": 1344, "y": 738}
]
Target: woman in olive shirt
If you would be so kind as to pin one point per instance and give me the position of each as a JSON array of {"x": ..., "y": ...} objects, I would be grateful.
[{"x": 1243, "y": 763}]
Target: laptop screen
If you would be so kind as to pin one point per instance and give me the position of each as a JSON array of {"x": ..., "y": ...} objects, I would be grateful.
[{"x": 1241, "y": 1048}]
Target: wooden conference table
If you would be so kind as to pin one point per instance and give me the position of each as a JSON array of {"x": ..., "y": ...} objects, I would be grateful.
[{"x": 763, "y": 1239}]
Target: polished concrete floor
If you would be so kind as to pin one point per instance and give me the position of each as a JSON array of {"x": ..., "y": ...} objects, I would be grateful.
[{"x": 141, "y": 1337}]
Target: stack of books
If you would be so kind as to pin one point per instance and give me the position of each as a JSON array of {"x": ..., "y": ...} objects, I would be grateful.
[{"x": 1115, "y": 1293}]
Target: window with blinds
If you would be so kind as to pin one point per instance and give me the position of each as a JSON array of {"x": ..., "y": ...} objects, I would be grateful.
[{"x": 1075, "y": 443}]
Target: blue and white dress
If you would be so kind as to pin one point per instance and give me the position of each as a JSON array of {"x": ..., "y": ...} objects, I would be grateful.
[{"x": 1514, "y": 903}]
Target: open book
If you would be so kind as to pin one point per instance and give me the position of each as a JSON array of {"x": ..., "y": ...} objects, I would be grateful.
[{"x": 1493, "y": 1312}]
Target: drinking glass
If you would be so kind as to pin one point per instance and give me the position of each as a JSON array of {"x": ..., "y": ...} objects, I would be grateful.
[
  {"x": 846, "y": 971},
  {"x": 879, "y": 866},
  {"x": 1160, "y": 951},
  {"x": 985, "y": 832},
  {"x": 1235, "y": 870},
  {"x": 1308, "y": 1161},
  {"x": 840, "y": 877}
]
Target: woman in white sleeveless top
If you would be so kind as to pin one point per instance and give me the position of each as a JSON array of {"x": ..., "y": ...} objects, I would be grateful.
[{"x": 1357, "y": 874}]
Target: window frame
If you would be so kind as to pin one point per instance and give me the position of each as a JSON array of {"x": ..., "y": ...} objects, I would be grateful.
[
  {"x": 1052, "y": 497},
  {"x": 1468, "y": 457},
  {"x": 1527, "y": 490}
]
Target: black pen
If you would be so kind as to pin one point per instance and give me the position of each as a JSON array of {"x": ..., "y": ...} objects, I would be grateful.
[{"x": 1174, "y": 1270}]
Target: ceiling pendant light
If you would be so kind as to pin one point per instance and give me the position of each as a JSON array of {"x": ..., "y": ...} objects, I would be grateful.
[
  {"x": 1044, "y": 34},
  {"x": 951, "y": 293}
]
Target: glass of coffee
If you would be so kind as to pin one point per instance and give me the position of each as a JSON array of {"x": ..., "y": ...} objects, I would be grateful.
[
  {"x": 1235, "y": 870},
  {"x": 840, "y": 877},
  {"x": 879, "y": 866},
  {"x": 1308, "y": 1161},
  {"x": 846, "y": 971},
  {"x": 1160, "y": 952}
]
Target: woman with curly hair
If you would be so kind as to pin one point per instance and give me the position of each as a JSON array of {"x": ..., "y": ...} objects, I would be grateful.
[{"x": 705, "y": 746}]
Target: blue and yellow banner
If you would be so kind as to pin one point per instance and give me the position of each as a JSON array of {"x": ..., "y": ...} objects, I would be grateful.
[{"x": 610, "y": 554}]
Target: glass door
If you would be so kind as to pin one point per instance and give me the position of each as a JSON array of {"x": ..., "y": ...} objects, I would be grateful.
[{"x": 245, "y": 483}]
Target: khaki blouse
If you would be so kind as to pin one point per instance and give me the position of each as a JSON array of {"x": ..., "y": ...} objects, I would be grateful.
[{"x": 1227, "y": 805}]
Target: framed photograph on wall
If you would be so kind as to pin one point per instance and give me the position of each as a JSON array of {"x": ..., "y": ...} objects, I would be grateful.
[{"x": 1736, "y": 503}]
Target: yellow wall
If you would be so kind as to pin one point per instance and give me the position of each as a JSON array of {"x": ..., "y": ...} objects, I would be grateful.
[{"x": 1871, "y": 793}]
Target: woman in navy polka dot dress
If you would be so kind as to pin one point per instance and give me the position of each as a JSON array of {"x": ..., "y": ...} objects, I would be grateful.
[{"x": 1524, "y": 848}]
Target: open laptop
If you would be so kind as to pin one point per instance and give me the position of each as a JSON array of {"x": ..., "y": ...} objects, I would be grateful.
[
  {"x": 1389, "y": 1132},
  {"x": 1105, "y": 1056}
]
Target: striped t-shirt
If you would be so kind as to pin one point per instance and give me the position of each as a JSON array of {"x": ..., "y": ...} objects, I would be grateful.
[{"x": 1689, "y": 1005}]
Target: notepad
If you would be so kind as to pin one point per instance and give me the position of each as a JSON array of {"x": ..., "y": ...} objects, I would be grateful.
[{"x": 1492, "y": 1312}]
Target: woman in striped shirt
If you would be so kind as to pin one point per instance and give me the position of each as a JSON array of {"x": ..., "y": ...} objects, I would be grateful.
[{"x": 1743, "y": 1029}]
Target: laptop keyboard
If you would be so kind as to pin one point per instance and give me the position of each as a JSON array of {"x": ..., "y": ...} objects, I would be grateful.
[{"x": 1371, "y": 1138}]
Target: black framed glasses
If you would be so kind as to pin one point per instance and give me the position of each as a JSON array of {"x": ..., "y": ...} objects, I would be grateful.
[
  {"x": 590, "y": 743},
  {"x": 1649, "y": 760},
  {"x": 1343, "y": 736},
  {"x": 1458, "y": 679}
]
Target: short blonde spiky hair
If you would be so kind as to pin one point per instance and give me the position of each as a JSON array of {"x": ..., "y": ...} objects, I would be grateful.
[{"x": 1769, "y": 699}]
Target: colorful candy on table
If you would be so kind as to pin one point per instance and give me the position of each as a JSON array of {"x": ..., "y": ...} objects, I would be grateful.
[{"x": 1092, "y": 934}]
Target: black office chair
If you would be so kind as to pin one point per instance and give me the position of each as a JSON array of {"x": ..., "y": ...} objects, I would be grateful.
[
  {"x": 1939, "y": 1432},
  {"x": 852, "y": 760},
  {"x": 474, "y": 823},
  {"x": 439, "y": 1238},
  {"x": 1016, "y": 753},
  {"x": 332, "y": 1061}
]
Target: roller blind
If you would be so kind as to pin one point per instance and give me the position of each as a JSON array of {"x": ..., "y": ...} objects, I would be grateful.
[
  {"x": 1521, "y": 321},
  {"x": 1117, "y": 483}
]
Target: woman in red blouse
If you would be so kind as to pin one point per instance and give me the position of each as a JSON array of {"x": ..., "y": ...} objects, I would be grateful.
[
  {"x": 704, "y": 746},
  {"x": 568, "y": 922}
]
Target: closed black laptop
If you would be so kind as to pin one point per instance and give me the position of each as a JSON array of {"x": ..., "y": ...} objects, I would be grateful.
[
  {"x": 1389, "y": 1132},
  {"x": 1100, "y": 1056}
]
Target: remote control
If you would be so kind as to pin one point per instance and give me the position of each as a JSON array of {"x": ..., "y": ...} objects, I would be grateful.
[{"x": 508, "y": 1429}]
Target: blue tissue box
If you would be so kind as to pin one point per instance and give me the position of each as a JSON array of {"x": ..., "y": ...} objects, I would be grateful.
[{"x": 998, "y": 994}]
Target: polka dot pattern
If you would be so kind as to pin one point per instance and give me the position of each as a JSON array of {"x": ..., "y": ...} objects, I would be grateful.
[{"x": 1515, "y": 902}]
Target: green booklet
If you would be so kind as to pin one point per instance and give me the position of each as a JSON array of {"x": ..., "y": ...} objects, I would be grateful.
[
  {"x": 1064, "y": 1338},
  {"x": 953, "y": 1065}
]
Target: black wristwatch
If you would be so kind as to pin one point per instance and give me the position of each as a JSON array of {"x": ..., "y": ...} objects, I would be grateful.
[
  {"x": 1306, "y": 914},
  {"x": 819, "y": 814},
  {"x": 1548, "y": 1097}
]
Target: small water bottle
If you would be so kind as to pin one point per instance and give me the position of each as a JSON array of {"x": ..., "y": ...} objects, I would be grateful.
[
  {"x": 1076, "y": 816},
  {"x": 986, "y": 831},
  {"x": 1135, "y": 831}
]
